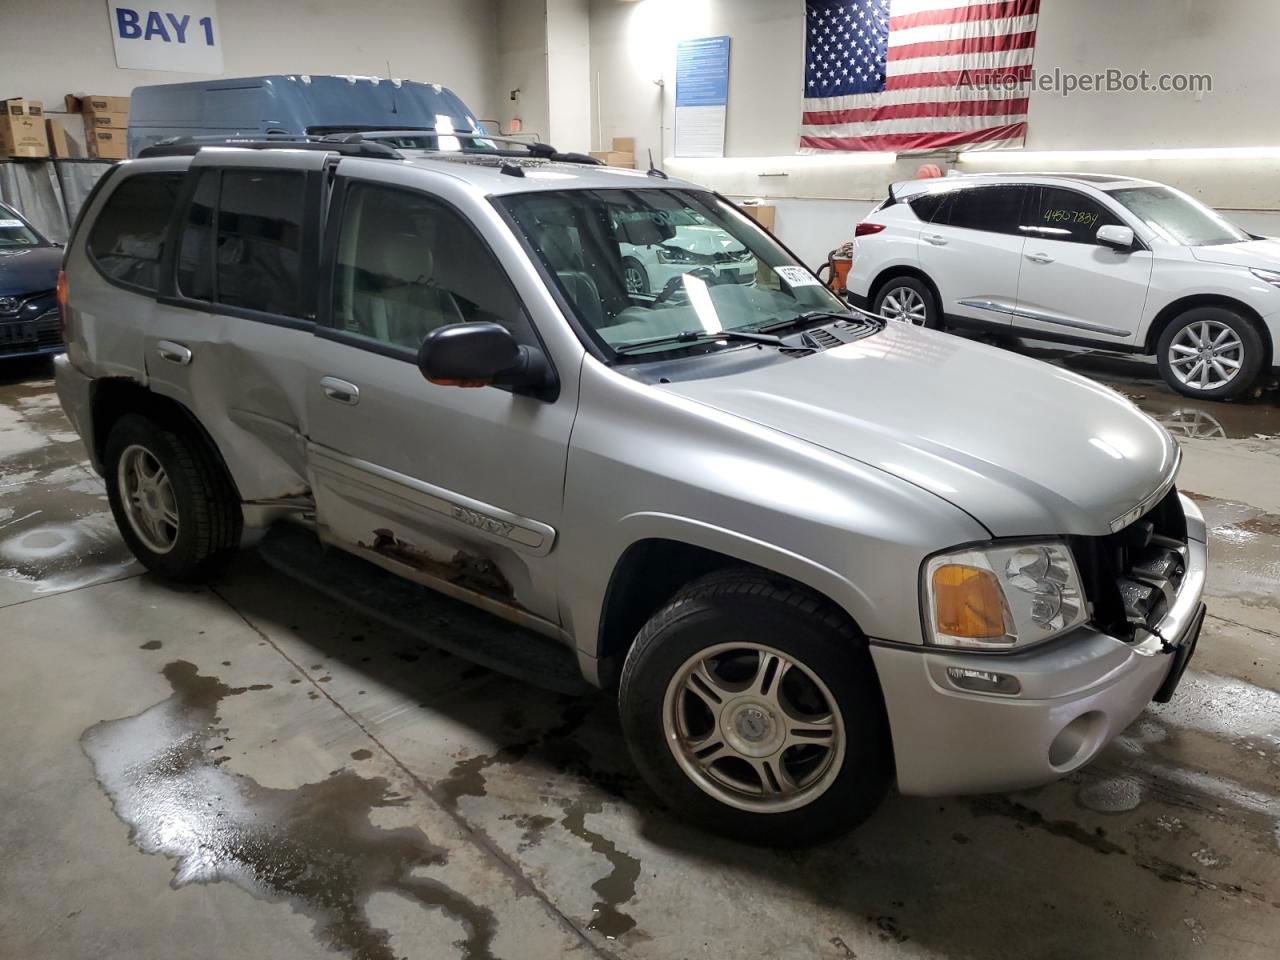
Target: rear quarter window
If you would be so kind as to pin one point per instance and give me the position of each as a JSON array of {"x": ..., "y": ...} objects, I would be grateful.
[{"x": 127, "y": 239}]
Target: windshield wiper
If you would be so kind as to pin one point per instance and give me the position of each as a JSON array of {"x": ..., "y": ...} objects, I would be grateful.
[
  {"x": 698, "y": 336},
  {"x": 801, "y": 320},
  {"x": 855, "y": 313}
]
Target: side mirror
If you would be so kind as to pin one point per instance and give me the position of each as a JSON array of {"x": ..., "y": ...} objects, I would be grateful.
[
  {"x": 481, "y": 354},
  {"x": 1117, "y": 237}
]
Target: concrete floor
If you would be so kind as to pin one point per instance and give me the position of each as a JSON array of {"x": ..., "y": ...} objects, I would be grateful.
[{"x": 251, "y": 770}]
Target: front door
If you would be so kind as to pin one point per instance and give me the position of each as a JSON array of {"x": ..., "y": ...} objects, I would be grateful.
[
  {"x": 1072, "y": 285},
  {"x": 972, "y": 249},
  {"x": 458, "y": 488}
]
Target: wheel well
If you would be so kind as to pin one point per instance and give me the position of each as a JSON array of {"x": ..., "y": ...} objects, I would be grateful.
[
  {"x": 892, "y": 273},
  {"x": 1173, "y": 310},
  {"x": 648, "y": 574},
  {"x": 115, "y": 397}
]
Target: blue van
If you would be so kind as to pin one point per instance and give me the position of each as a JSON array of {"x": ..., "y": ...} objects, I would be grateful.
[{"x": 300, "y": 104}]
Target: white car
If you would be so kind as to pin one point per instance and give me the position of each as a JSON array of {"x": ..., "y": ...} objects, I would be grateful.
[
  {"x": 1090, "y": 259},
  {"x": 656, "y": 259}
]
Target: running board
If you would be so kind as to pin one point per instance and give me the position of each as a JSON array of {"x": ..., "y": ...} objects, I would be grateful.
[{"x": 460, "y": 629}]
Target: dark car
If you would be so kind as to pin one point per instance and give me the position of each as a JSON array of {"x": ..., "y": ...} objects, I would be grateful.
[{"x": 29, "y": 265}]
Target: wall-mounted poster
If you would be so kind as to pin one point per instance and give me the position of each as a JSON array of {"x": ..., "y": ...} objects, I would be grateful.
[
  {"x": 180, "y": 35},
  {"x": 702, "y": 96}
]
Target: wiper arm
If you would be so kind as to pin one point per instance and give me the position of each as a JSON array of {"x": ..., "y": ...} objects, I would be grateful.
[
  {"x": 697, "y": 336},
  {"x": 813, "y": 315}
]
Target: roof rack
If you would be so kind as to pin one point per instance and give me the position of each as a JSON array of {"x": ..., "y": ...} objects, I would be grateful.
[
  {"x": 347, "y": 144},
  {"x": 366, "y": 144}
]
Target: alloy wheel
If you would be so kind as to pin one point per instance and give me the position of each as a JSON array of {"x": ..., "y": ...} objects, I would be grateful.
[
  {"x": 634, "y": 280},
  {"x": 754, "y": 727},
  {"x": 905, "y": 304},
  {"x": 1206, "y": 355},
  {"x": 150, "y": 503}
]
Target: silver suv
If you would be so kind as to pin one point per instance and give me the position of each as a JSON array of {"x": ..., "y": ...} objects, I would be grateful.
[{"x": 811, "y": 552}]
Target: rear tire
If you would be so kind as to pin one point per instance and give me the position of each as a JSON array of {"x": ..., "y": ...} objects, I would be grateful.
[
  {"x": 908, "y": 300},
  {"x": 762, "y": 786},
  {"x": 1212, "y": 353},
  {"x": 174, "y": 506}
]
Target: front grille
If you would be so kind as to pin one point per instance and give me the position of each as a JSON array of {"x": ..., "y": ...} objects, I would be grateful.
[
  {"x": 1133, "y": 576},
  {"x": 25, "y": 336}
]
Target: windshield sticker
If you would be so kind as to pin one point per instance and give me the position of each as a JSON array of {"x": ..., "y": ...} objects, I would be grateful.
[
  {"x": 10, "y": 223},
  {"x": 797, "y": 277}
]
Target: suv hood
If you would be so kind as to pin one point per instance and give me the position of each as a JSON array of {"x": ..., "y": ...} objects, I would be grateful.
[
  {"x": 1263, "y": 254},
  {"x": 1024, "y": 447}
]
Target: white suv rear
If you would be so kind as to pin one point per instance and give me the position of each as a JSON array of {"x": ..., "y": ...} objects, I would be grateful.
[{"x": 1097, "y": 260}]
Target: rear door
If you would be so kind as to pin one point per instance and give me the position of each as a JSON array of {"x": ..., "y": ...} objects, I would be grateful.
[
  {"x": 972, "y": 249},
  {"x": 1072, "y": 285},
  {"x": 231, "y": 332}
]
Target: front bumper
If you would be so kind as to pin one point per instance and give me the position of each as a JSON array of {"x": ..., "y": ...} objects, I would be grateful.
[
  {"x": 1077, "y": 694},
  {"x": 31, "y": 331}
]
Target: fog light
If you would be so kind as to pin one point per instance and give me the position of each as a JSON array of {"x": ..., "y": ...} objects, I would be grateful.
[{"x": 984, "y": 681}]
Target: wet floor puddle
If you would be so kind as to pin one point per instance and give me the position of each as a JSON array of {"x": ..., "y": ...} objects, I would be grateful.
[
  {"x": 314, "y": 847},
  {"x": 1244, "y": 550},
  {"x": 56, "y": 528},
  {"x": 558, "y": 748}
]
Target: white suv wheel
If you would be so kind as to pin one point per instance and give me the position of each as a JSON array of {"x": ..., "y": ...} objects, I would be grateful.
[
  {"x": 1206, "y": 355},
  {"x": 904, "y": 304}
]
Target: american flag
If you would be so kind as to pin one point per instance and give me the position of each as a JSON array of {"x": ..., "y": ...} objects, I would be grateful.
[{"x": 908, "y": 75}]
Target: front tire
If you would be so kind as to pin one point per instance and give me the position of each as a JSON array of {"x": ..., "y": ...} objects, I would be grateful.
[
  {"x": 174, "y": 507},
  {"x": 909, "y": 300},
  {"x": 634, "y": 276},
  {"x": 751, "y": 706},
  {"x": 1212, "y": 353}
]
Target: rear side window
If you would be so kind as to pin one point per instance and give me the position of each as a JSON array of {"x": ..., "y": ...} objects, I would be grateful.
[
  {"x": 926, "y": 205},
  {"x": 128, "y": 236},
  {"x": 993, "y": 209},
  {"x": 1070, "y": 216},
  {"x": 243, "y": 241}
]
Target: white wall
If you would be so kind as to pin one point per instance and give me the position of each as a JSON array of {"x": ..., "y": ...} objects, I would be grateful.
[
  {"x": 569, "y": 74},
  {"x": 521, "y": 64},
  {"x": 820, "y": 198},
  {"x": 52, "y": 47}
]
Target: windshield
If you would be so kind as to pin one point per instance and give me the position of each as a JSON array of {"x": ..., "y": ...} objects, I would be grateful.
[
  {"x": 654, "y": 264},
  {"x": 15, "y": 233},
  {"x": 1177, "y": 218}
]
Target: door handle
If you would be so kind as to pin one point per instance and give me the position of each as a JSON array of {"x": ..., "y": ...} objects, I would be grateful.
[
  {"x": 340, "y": 390},
  {"x": 1039, "y": 258},
  {"x": 937, "y": 239},
  {"x": 174, "y": 352}
]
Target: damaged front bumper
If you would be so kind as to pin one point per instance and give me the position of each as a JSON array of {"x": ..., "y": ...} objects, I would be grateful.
[{"x": 1074, "y": 696}]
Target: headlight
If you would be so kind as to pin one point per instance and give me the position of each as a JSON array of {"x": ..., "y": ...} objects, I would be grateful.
[
  {"x": 1270, "y": 276},
  {"x": 999, "y": 597},
  {"x": 674, "y": 255}
]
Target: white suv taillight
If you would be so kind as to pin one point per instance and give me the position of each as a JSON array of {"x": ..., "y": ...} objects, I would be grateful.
[{"x": 865, "y": 229}]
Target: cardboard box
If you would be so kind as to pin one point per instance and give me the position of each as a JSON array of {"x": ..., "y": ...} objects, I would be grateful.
[
  {"x": 22, "y": 129},
  {"x": 615, "y": 158},
  {"x": 624, "y": 144},
  {"x": 118, "y": 120},
  {"x": 95, "y": 103},
  {"x": 106, "y": 143},
  {"x": 761, "y": 213},
  {"x": 59, "y": 145}
]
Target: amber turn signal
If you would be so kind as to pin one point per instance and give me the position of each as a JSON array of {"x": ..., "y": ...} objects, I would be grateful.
[
  {"x": 61, "y": 297},
  {"x": 968, "y": 602}
]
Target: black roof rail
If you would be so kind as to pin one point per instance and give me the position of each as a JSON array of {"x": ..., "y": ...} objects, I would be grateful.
[{"x": 347, "y": 144}]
